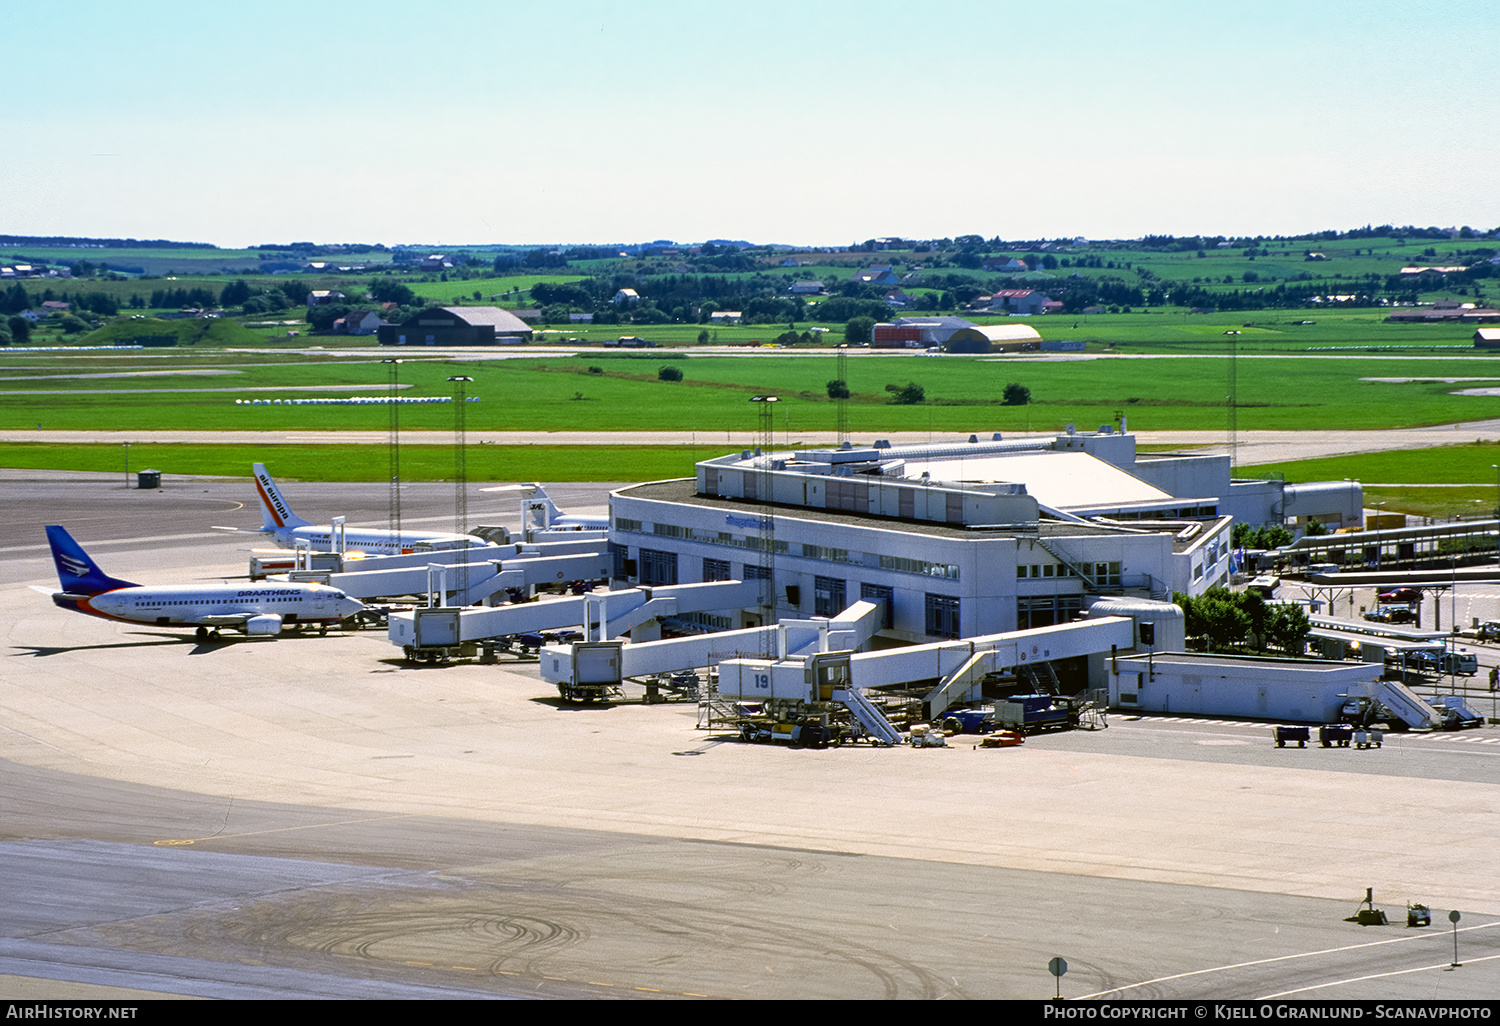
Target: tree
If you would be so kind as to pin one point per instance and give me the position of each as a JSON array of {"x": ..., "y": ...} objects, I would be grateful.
[
  {"x": 235, "y": 293},
  {"x": 1288, "y": 628},
  {"x": 703, "y": 337},
  {"x": 838, "y": 388},
  {"x": 1016, "y": 395},
  {"x": 669, "y": 374},
  {"x": 857, "y": 331},
  {"x": 909, "y": 394}
]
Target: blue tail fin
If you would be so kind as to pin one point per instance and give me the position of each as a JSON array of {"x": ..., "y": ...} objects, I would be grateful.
[{"x": 79, "y": 574}]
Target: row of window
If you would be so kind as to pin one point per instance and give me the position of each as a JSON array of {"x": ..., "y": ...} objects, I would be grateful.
[
  {"x": 900, "y": 564},
  {"x": 830, "y": 594},
  {"x": 1103, "y": 574}
]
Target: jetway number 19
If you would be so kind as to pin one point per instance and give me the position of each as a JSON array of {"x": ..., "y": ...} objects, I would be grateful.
[{"x": 763, "y": 681}]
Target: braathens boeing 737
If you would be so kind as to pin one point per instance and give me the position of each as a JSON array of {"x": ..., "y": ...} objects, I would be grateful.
[
  {"x": 251, "y": 608},
  {"x": 278, "y": 520}
]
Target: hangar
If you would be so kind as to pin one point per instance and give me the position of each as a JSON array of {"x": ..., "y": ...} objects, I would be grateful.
[{"x": 457, "y": 326}]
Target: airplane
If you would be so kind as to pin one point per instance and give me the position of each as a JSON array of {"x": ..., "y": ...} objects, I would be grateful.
[
  {"x": 251, "y": 608},
  {"x": 278, "y": 520},
  {"x": 543, "y": 513}
]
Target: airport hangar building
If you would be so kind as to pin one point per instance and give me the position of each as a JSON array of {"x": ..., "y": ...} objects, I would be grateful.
[{"x": 956, "y": 539}]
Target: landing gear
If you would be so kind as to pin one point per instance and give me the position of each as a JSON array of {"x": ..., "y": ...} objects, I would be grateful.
[{"x": 201, "y": 634}]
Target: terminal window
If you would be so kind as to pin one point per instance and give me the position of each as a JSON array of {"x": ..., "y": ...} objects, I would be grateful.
[
  {"x": 942, "y": 616},
  {"x": 658, "y": 567},
  {"x": 828, "y": 596}
]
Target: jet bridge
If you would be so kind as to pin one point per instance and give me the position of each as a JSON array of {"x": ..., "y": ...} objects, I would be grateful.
[
  {"x": 576, "y": 668},
  {"x": 956, "y": 668},
  {"x": 611, "y": 613},
  {"x": 480, "y": 581}
]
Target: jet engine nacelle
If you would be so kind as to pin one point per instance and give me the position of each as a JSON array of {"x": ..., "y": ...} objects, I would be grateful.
[{"x": 268, "y": 624}]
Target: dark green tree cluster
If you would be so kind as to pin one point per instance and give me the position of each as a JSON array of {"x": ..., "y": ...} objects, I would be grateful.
[
  {"x": 1015, "y": 394},
  {"x": 909, "y": 394},
  {"x": 1229, "y": 620},
  {"x": 1269, "y": 536}
]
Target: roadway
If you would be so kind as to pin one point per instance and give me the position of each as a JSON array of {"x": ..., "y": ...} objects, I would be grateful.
[{"x": 310, "y": 817}]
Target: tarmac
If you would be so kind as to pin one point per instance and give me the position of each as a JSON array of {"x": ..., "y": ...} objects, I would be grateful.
[{"x": 311, "y": 817}]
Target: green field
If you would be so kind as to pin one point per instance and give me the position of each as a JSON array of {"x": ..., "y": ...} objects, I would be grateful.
[
  {"x": 434, "y": 462},
  {"x": 196, "y": 389}
]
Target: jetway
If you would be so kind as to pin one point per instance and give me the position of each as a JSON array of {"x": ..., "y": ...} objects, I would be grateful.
[
  {"x": 461, "y": 583},
  {"x": 576, "y": 668},
  {"x": 956, "y": 667},
  {"x": 418, "y": 633}
]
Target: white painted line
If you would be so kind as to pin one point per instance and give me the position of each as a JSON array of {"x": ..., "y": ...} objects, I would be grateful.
[
  {"x": 1373, "y": 976},
  {"x": 1281, "y": 958}
]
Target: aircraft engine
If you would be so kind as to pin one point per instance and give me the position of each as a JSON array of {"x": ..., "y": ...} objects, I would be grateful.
[{"x": 268, "y": 623}]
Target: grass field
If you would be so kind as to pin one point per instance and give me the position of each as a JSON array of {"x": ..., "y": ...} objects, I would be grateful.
[
  {"x": 561, "y": 394},
  {"x": 483, "y": 463}
]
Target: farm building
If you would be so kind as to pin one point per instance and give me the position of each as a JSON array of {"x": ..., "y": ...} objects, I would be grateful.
[{"x": 457, "y": 326}]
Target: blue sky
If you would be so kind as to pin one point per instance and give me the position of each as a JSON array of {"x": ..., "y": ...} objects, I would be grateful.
[{"x": 821, "y": 122}]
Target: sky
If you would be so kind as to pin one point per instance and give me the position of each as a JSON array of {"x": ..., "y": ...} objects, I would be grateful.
[{"x": 818, "y": 122}]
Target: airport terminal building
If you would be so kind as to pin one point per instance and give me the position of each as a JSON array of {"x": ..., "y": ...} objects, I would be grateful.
[{"x": 955, "y": 539}]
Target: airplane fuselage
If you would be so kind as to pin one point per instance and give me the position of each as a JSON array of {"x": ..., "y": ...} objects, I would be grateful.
[
  {"x": 372, "y": 542},
  {"x": 186, "y": 605}
]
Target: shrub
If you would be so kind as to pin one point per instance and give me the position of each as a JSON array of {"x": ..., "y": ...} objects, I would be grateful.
[
  {"x": 669, "y": 374},
  {"x": 1016, "y": 395}
]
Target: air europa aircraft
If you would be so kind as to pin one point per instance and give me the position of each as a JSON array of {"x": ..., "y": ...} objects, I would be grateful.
[
  {"x": 251, "y": 608},
  {"x": 278, "y": 520}
]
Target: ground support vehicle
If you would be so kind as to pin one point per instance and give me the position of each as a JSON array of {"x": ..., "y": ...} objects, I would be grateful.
[
  {"x": 1031, "y": 713},
  {"x": 1418, "y": 915},
  {"x": 1368, "y": 738},
  {"x": 1335, "y": 735},
  {"x": 1286, "y": 734}
]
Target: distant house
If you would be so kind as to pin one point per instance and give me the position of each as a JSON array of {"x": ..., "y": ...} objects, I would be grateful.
[
  {"x": 875, "y": 276},
  {"x": 580, "y": 318},
  {"x": 457, "y": 326},
  {"x": 1310, "y": 256},
  {"x": 435, "y": 262},
  {"x": 360, "y": 322},
  {"x": 725, "y": 316},
  {"x": 805, "y": 288},
  {"x": 1487, "y": 338},
  {"x": 1009, "y": 265},
  {"x": 897, "y": 300},
  {"x": 789, "y": 262},
  {"x": 319, "y": 297},
  {"x": 52, "y": 306},
  {"x": 1019, "y": 302},
  {"x": 626, "y": 297},
  {"x": 30, "y": 315}
]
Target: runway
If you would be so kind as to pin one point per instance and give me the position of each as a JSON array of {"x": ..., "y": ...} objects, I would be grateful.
[{"x": 310, "y": 817}]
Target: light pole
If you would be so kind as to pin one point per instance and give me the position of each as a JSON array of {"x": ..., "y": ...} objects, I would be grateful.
[{"x": 127, "y": 463}]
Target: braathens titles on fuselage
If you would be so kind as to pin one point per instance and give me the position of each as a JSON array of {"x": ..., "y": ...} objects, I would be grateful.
[{"x": 263, "y": 609}]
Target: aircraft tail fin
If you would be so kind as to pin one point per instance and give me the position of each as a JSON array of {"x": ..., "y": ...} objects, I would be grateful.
[
  {"x": 78, "y": 573},
  {"x": 274, "y": 511},
  {"x": 542, "y": 498}
]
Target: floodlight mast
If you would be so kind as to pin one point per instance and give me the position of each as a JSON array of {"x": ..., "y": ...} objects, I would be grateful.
[
  {"x": 765, "y": 485},
  {"x": 460, "y": 476},
  {"x": 394, "y": 445}
]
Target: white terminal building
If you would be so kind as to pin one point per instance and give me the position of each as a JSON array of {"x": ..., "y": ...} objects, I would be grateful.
[{"x": 954, "y": 539}]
